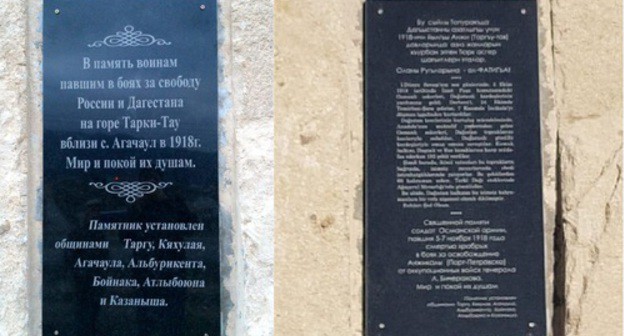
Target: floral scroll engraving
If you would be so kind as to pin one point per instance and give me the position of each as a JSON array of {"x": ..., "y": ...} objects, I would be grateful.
[
  {"x": 131, "y": 191},
  {"x": 129, "y": 38}
]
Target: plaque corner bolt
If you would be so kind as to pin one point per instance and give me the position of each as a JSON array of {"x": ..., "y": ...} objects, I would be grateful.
[
  {"x": 382, "y": 326},
  {"x": 202, "y": 7},
  {"x": 57, "y": 11},
  {"x": 523, "y": 11},
  {"x": 380, "y": 11}
]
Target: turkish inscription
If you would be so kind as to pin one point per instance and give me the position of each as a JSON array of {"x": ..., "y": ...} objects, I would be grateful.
[
  {"x": 453, "y": 169},
  {"x": 131, "y": 208}
]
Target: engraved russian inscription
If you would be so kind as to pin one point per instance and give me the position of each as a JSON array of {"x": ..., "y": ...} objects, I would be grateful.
[
  {"x": 453, "y": 169},
  {"x": 131, "y": 215}
]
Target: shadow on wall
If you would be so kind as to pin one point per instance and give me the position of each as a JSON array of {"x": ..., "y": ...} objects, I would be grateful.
[{"x": 559, "y": 314}]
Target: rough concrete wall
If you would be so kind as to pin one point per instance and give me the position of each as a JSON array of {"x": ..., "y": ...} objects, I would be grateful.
[
  {"x": 318, "y": 78},
  {"x": 251, "y": 143},
  {"x": 246, "y": 166},
  {"x": 13, "y": 168},
  {"x": 35, "y": 179},
  {"x": 319, "y": 156},
  {"x": 319, "y": 167},
  {"x": 588, "y": 77}
]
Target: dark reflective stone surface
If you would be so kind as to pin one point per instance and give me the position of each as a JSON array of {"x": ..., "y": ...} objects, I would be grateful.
[
  {"x": 454, "y": 236},
  {"x": 131, "y": 208}
]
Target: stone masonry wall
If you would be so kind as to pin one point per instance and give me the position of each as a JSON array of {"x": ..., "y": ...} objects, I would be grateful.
[{"x": 319, "y": 161}]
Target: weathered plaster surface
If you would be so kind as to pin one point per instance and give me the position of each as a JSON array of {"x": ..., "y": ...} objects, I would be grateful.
[
  {"x": 318, "y": 167},
  {"x": 13, "y": 168},
  {"x": 251, "y": 141},
  {"x": 34, "y": 211},
  {"x": 588, "y": 89}
]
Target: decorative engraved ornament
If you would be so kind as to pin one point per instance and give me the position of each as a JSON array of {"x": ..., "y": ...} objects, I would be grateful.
[
  {"x": 129, "y": 38},
  {"x": 130, "y": 190}
]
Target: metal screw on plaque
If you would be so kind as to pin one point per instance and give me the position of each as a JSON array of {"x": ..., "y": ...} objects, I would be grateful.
[
  {"x": 380, "y": 11},
  {"x": 382, "y": 326},
  {"x": 523, "y": 11},
  {"x": 202, "y": 7},
  {"x": 57, "y": 11},
  {"x": 532, "y": 326},
  {"x": 56, "y": 332}
]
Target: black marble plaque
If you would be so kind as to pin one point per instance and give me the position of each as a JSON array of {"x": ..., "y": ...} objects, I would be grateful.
[
  {"x": 131, "y": 208},
  {"x": 454, "y": 232}
]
